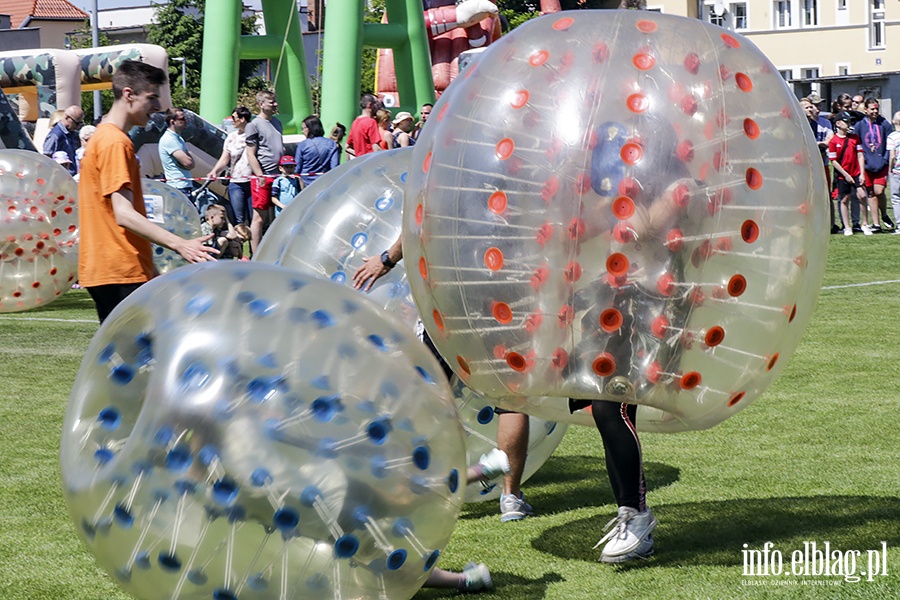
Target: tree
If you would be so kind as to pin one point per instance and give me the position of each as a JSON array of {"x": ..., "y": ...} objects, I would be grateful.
[
  {"x": 373, "y": 14},
  {"x": 178, "y": 28},
  {"x": 517, "y": 12}
]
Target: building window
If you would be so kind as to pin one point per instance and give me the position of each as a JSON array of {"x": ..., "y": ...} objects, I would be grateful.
[
  {"x": 876, "y": 24},
  {"x": 810, "y": 73},
  {"x": 810, "y": 13},
  {"x": 842, "y": 4},
  {"x": 786, "y": 74},
  {"x": 739, "y": 13},
  {"x": 843, "y": 69},
  {"x": 782, "y": 14},
  {"x": 734, "y": 16}
]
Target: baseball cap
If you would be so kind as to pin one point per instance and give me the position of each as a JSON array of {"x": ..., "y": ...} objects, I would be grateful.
[
  {"x": 846, "y": 116},
  {"x": 814, "y": 98},
  {"x": 62, "y": 158},
  {"x": 402, "y": 116},
  {"x": 287, "y": 160}
]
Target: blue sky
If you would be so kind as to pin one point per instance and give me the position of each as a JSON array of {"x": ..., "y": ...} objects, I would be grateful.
[{"x": 87, "y": 5}]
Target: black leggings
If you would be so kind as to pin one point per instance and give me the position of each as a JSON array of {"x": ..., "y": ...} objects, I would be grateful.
[{"x": 624, "y": 464}]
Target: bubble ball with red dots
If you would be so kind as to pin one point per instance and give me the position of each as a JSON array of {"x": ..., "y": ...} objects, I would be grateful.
[
  {"x": 38, "y": 230},
  {"x": 618, "y": 205}
]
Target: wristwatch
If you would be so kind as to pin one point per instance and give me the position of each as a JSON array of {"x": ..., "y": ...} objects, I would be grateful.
[{"x": 386, "y": 261}]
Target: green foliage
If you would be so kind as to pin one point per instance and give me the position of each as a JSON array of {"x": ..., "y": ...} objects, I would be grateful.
[
  {"x": 247, "y": 92},
  {"x": 178, "y": 28},
  {"x": 373, "y": 14},
  {"x": 517, "y": 12}
]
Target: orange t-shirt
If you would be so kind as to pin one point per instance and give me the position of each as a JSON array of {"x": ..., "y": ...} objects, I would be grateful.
[{"x": 107, "y": 252}]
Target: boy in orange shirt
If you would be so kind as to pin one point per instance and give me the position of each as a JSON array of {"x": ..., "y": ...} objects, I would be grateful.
[{"x": 114, "y": 256}]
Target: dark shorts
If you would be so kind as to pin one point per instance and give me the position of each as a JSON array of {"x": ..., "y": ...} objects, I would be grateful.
[
  {"x": 107, "y": 297},
  {"x": 844, "y": 187},
  {"x": 261, "y": 195}
]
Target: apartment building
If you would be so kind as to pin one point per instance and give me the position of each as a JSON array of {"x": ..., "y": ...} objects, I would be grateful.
[{"x": 826, "y": 46}]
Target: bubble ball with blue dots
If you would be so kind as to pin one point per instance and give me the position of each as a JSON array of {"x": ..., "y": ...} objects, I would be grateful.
[
  {"x": 237, "y": 430},
  {"x": 350, "y": 213},
  {"x": 171, "y": 210}
]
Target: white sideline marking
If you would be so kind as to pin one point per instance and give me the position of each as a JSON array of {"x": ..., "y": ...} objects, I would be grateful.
[
  {"x": 852, "y": 285},
  {"x": 7, "y": 318}
]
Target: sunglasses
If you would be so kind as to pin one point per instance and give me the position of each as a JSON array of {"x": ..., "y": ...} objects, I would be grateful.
[{"x": 74, "y": 121}]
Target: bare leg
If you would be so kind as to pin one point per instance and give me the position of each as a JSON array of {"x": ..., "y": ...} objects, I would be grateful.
[
  {"x": 873, "y": 211},
  {"x": 845, "y": 212},
  {"x": 863, "y": 207},
  {"x": 881, "y": 198},
  {"x": 512, "y": 438},
  {"x": 257, "y": 224}
]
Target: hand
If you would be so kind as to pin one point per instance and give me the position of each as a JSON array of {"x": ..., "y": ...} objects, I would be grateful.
[
  {"x": 194, "y": 251},
  {"x": 370, "y": 272},
  {"x": 212, "y": 175}
]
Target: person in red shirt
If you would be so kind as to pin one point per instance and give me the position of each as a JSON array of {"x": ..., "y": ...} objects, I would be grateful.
[
  {"x": 843, "y": 151},
  {"x": 364, "y": 136}
]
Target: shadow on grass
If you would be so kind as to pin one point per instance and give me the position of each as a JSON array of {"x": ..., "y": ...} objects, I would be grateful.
[
  {"x": 569, "y": 482},
  {"x": 713, "y": 533},
  {"x": 506, "y": 585}
]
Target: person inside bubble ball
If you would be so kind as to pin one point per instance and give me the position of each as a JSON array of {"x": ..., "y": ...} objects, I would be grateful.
[
  {"x": 115, "y": 255},
  {"x": 512, "y": 427},
  {"x": 659, "y": 187}
]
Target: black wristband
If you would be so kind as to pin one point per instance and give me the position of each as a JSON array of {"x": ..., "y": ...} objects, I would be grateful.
[{"x": 386, "y": 261}]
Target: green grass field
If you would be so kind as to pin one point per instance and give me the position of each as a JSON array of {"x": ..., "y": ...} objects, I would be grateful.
[{"x": 816, "y": 459}]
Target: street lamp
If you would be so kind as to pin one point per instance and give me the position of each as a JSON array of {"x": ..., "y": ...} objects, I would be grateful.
[{"x": 183, "y": 72}]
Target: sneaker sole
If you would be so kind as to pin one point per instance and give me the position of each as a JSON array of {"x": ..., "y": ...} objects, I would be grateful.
[
  {"x": 615, "y": 560},
  {"x": 513, "y": 517}
]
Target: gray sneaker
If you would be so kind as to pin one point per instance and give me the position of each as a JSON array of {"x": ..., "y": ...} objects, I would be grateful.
[
  {"x": 514, "y": 508},
  {"x": 478, "y": 578},
  {"x": 630, "y": 529}
]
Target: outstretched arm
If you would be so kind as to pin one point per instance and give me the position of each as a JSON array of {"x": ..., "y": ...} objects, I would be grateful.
[{"x": 192, "y": 251}]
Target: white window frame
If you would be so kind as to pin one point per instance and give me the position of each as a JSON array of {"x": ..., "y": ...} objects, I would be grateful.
[
  {"x": 809, "y": 18},
  {"x": 842, "y": 68},
  {"x": 727, "y": 20},
  {"x": 787, "y": 11},
  {"x": 877, "y": 25},
  {"x": 734, "y": 21},
  {"x": 842, "y": 4}
]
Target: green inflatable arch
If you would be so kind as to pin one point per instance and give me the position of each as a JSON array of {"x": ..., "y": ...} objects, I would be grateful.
[{"x": 344, "y": 38}]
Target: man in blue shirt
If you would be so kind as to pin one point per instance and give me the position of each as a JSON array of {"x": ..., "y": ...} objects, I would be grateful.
[
  {"x": 64, "y": 136},
  {"x": 176, "y": 161}
]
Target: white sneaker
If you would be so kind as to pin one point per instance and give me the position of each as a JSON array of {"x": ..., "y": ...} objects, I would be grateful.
[
  {"x": 643, "y": 552},
  {"x": 514, "y": 508},
  {"x": 866, "y": 229},
  {"x": 494, "y": 464},
  {"x": 848, "y": 232},
  {"x": 629, "y": 529},
  {"x": 896, "y": 231},
  {"x": 478, "y": 578}
]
